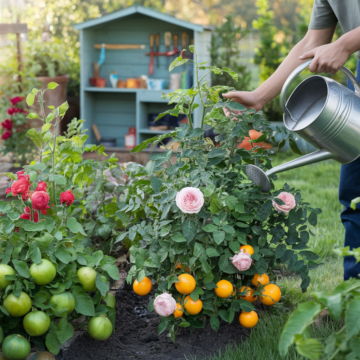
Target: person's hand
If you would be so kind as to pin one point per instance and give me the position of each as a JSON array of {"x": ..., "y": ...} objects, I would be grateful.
[
  {"x": 327, "y": 58},
  {"x": 227, "y": 113},
  {"x": 250, "y": 100}
]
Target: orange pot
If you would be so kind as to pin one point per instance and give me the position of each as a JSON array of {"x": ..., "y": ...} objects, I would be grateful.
[
  {"x": 132, "y": 83},
  {"x": 98, "y": 82}
]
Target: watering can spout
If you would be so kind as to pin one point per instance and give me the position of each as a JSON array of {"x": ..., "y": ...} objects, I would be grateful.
[{"x": 261, "y": 178}]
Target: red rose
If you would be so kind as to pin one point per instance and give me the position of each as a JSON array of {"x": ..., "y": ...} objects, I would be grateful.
[
  {"x": 67, "y": 197},
  {"x": 15, "y": 100},
  {"x": 39, "y": 200},
  {"x": 20, "y": 175},
  {"x": 27, "y": 210},
  {"x": 25, "y": 216},
  {"x": 20, "y": 186},
  {"x": 8, "y": 191},
  {"x": 36, "y": 217},
  {"x": 41, "y": 186},
  {"x": 44, "y": 211},
  {"x": 25, "y": 195},
  {"x": 7, "y": 124},
  {"x": 6, "y": 135},
  {"x": 14, "y": 110}
]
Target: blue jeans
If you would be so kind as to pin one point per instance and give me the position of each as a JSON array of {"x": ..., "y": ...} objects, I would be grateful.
[{"x": 349, "y": 189}]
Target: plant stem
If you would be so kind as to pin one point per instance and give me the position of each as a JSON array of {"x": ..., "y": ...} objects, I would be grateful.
[
  {"x": 198, "y": 85},
  {"x": 233, "y": 148},
  {"x": 53, "y": 157},
  {"x": 41, "y": 101}
]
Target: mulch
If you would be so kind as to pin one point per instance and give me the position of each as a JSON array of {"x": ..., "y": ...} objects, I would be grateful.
[{"x": 135, "y": 336}]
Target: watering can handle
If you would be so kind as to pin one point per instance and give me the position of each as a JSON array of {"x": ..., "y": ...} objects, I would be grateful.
[{"x": 302, "y": 67}]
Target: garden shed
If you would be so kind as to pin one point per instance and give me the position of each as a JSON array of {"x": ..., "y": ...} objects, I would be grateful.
[{"x": 126, "y": 36}]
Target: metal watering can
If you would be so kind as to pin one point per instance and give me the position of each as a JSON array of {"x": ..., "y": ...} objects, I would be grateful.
[{"x": 324, "y": 113}]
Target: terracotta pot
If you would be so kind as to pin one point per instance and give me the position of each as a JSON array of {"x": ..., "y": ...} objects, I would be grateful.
[{"x": 98, "y": 82}]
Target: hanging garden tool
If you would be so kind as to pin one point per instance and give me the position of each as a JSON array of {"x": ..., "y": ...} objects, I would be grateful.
[
  {"x": 97, "y": 80},
  {"x": 119, "y": 46},
  {"x": 185, "y": 45},
  {"x": 167, "y": 41},
  {"x": 157, "y": 44},
  {"x": 151, "y": 65}
]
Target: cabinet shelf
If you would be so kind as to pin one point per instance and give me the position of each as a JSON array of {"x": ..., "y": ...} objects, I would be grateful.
[{"x": 155, "y": 132}]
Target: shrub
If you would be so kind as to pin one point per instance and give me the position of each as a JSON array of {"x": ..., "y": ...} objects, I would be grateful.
[{"x": 172, "y": 236}]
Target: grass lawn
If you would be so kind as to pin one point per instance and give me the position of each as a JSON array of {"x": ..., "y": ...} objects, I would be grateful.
[{"x": 319, "y": 186}]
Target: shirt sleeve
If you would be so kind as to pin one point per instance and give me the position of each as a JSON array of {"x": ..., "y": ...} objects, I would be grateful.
[{"x": 322, "y": 16}]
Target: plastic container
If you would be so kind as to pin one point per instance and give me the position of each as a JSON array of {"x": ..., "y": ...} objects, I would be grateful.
[{"x": 130, "y": 138}]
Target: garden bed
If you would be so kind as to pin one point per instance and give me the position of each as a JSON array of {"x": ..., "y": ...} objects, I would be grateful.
[{"x": 136, "y": 336}]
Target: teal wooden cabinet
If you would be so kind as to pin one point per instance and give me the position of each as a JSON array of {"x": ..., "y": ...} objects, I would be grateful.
[{"x": 114, "y": 110}]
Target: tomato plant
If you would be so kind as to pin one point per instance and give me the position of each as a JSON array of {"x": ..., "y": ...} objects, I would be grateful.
[{"x": 58, "y": 223}]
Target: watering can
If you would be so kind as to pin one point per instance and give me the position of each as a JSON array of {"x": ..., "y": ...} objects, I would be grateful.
[{"x": 324, "y": 113}]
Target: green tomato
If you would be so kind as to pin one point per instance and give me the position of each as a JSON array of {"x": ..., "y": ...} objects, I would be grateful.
[
  {"x": 61, "y": 302},
  {"x": 36, "y": 323},
  {"x": 16, "y": 347},
  {"x": 17, "y": 306},
  {"x": 87, "y": 278},
  {"x": 110, "y": 300},
  {"x": 99, "y": 328},
  {"x": 1, "y": 335},
  {"x": 5, "y": 270},
  {"x": 43, "y": 273}
]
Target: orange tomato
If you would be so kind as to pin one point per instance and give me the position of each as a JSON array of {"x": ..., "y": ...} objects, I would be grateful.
[
  {"x": 143, "y": 287},
  {"x": 247, "y": 248},
  {"x": 253, "y": 135},
  {"x": 271, "y": 294},
  {"x": 186, "y": 284},
  {"x": 191, "y": 306},
  {"x": 179, "y": 266},
  {"x": 260, "y": 279},
  {"x": 224, "y": 289},
  {"x": 248, "y": 319},
  {"x": 179, "y": 311},
  {"x": 249, "y": 297}
]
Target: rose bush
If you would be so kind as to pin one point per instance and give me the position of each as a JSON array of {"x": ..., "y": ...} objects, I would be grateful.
[
  {"x": 60, "y": 218},
  {"x": 13, "y": 130},
  {"x": 192, "y": 209}
]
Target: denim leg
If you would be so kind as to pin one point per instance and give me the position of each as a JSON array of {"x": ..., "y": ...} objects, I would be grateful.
[{"x": 349, "y": 189}]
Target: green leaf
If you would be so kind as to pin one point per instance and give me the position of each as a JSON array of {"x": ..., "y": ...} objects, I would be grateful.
[
  {"x": 32, "y": 116},
  {"x": 215, "y": 322},
  {"x": 219, "y": 236},
  {"x": 231, "y": 202},
  {"x": 64, "y": 330},
  {"x": 21, "y": 268},
  {"x": 50, "y": 118},
  {"x": 188, "y": 229},
  {"x": 310, "y": 348},
  {"x": 332, "y": 302},
  {"x": 177, "y": 62},
  {"x": 195, "y": 133},
  {"x": 155, "y": 184},
  {"x": 155, "y": 140},
  {"x": 112, "y": 270},
  {"x": 46, "y": 127},
  {"x": 31, "y": 226},
  {"x": 52, "y": 85},
  {"x": 280, "y": 251},
  {"x": 63, "y": 108},
  {"x": 294, "y": 147},
  {"x": 58, "y": 179},
  {"x": 210, "y": 228},
  {"x": 309, "y": 255},
  {"x": 52, "y": 342},
  {"x": 352, "y": 318},
  {"x": 30, "y": 99},
  {"x": 217, "y": 152},
  {"x": 102, "y": 286},
  {"x": 211, "y": 252},
  {"x": 35, "y": 253},
  {"x": 63, "y": 255},
  {"x": 312, "y": 219},
  {"x": 224, "y": 315},
  {"x": 297, "y": 323},
  {"x": 34, "y": 91},
  {"x": 83, "y": 302},
  {"x": 177, "y": 237},
  {"x": 232, "y": 73},
  {"x": 35, "y": 137},
  {"x": 74, "y": 226}
]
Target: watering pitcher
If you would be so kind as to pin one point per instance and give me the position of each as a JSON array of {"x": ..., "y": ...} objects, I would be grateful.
[{"x": 324, "y": 113}]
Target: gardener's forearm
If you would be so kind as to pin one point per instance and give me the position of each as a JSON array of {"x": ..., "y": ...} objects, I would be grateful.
[{"x": 272, "y": 86}]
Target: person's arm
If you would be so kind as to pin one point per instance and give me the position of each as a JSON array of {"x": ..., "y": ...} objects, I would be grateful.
[
  {"x": 269, "y": 89},
  {"x": 330, "y": 58}
]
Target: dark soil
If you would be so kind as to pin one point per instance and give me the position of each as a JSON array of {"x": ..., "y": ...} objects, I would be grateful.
[{"x": 136, "y": 337}]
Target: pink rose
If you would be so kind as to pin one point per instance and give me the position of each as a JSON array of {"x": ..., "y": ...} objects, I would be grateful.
[
  {"x": 41, "y": 186},
  {"x": 20, "y": 175},
  {"x": 8, "y": 191},
  {"x": 40, "y": 200},
  {"x": 20, "y": 186},
  {"x": 165, "y": 304},
  {"x": 242, "y": 261},
  {"x": 67, "y": 197},
  {"x": 289, "y": 201},
  {"x": 190, "y": 200}
]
